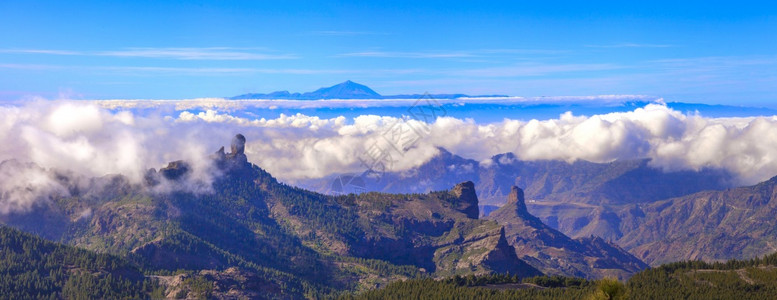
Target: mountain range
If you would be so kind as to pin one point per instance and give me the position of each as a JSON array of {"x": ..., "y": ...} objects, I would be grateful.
[
  {"x": 345, "y": 90},
  {"x": 658, "y": 216},
  {"x": 293, "y": 243},
  {"x": 709, "y": 225},
  {"x": 248, "y": 235}
]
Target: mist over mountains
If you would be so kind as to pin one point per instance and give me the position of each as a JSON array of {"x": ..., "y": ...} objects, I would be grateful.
[
  {"x": 591, "y": 197},
  {"x": 579, "y": 219},
  {"x": 91, "y": 141}
]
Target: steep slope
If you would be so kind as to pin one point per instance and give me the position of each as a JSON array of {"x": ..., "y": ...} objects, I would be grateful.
[
  {"x": 712, "y": 225},
  {"x": 345, "y": 90},
  {"x": 31, "y": 267},
  {"x": 554, "y": 253},
  {"x": 300, "y": 243}
]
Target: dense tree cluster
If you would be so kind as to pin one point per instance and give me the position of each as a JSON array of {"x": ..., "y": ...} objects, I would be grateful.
[
  {"x": 31, "y": 267},
  {"x": 734, "y": 279}
]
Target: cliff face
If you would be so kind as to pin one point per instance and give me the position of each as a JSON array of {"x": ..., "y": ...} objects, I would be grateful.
[
  {"x": 552, "y": 252},
  {"x": 467, "y": 199},
  {"x": 438, "y": 232},
  {"x": 481, "y": 249}
]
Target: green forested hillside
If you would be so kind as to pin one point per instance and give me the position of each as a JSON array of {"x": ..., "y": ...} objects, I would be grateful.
[
  {"x": 484, "y": 287},
  {"x": 735, "y": 279},
  {"x": 31, "y": 267}
]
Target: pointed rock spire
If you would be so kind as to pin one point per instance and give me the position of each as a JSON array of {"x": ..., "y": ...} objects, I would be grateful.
[{"x": 516, "y": 196}]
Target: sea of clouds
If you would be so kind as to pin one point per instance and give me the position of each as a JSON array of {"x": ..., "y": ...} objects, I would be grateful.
[{"x": 98, "y": 138}]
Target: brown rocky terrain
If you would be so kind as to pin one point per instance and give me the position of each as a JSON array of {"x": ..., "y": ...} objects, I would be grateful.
[{"x": 552, "y": 252}]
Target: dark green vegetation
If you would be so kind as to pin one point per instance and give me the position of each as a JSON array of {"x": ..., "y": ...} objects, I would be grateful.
[
  {"x": 31, "y": 267},
  {"x": 480, "y": 288},
  {"x": 735, "y": 279}
]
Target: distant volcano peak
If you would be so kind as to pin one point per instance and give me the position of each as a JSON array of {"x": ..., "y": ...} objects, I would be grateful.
[{"x": 344, "y": 90}]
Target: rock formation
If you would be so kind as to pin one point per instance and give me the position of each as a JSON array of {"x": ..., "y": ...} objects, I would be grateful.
[
  {"x": 175, "y": 170},
  {"x": 554, "y": 253},
  {"x": 516, "y": 197},
  {"x": 237, "y": 157},
  {"x": 238, "y": 144},
  {"x": 467, "y": 199}
]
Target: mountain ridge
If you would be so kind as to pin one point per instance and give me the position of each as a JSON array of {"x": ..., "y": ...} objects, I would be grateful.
[
  {"x": 346, "y": 90},
  {"x": 283, "y": 235},
  {"x": 554, "y": 253}
]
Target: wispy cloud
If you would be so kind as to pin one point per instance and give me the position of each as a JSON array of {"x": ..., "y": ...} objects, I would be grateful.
[
  {"x": 719, "y": 61},
  {"x": 31, "y": 67},
  {"x": 216, "y": 53},
  {"x": 476, "y": 53},
  {"x": 386, "y": 54},
  {"x": 534, "y": 69},
  {"x": 40, "y": 51},
  {"x": 209, "y": 53},
  {"x": 345, "y": 33},
  {"x": 631, "y": 45},
  {"x": 204, "y": 71}
]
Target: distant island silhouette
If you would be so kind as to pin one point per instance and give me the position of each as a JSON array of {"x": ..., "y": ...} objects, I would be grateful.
[{"x": 346, "y": 90}]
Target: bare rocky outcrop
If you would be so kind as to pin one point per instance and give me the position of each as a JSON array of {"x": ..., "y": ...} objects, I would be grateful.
[
  {"x": 516, "y": 197},
  {"x": 467, "y": 199},
  {"x": 555, "y": 253}
]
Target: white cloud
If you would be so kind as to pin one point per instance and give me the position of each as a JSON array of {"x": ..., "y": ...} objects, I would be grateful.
[
  {"x": 23, "y": 186},
  {"x": 632, "y": 45},
  {"x": 90, "y": 140},
  {"x": 222, "y": 104},
  {"x": 385, "y": 54},
  {"x": 205, "y": 53}
]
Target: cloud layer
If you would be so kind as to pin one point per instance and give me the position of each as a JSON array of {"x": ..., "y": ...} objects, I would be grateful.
[{"x": 90, "y": 140}]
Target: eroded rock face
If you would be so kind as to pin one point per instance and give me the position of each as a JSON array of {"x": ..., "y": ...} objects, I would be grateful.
[
  {"x": 482, "y": 251},
  {"x": 232, "y": 283},
  {"x": 516, "y": 197},
  {"x": 467, "y": 199},
  {"x": 553, "y": 253}
]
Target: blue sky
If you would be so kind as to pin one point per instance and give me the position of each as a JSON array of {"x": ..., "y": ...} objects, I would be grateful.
[{"x": 692, "y": 52}]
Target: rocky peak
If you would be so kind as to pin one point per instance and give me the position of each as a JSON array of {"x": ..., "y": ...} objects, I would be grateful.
[
  {"x": 237, "y": 157},
  {"x": 516, "y": 197},
  {"x": 220, "y": 154},
  {"x": 467, "y": 199},
  {"x": 238, "y": 144},
  {"x": 175, "y": 170}
]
